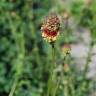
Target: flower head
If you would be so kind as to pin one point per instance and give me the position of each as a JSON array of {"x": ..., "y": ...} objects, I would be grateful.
[
  {"x": 50, "y": 28},
  {"x": 65, "y": 49}
]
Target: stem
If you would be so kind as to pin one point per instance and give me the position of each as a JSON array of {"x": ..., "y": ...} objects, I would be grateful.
[
  {"x": 66, "y": 24},
  {"x": 13, "y": 87},
  {"x": 53, "y": 55},
  {"x": 66, "y": 90},
  {"x": 70, "y": 83},
  {"x": 86, "y": 65},
  {"x": 19, "y": 40},
  {"x": 72, "y": 89},
  {"x": 60, "y": 78},
  {"x": 88, "y": 60},
  {"x": 55, "y": 90},
  {"x": 50, "y": 82}
]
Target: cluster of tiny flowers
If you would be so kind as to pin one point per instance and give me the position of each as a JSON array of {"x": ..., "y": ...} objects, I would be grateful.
[
  {"x": 50, "y": 28},
  {"x": 65, "y": 49}
]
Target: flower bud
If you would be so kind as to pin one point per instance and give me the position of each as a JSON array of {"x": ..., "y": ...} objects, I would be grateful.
[
  {"x": 65, "y": 48},
  {"x": 66, "y": 15}
]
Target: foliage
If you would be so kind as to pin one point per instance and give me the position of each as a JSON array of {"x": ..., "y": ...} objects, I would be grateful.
[{"x": 26, "y": 58}]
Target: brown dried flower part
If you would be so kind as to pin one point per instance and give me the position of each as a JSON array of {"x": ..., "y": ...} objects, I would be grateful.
[
  {"x": 88, "y": 2},
  {"x": 66, "y": 15},
  {"x": 50, "y": 28},
  {"x": 66, "y": 67}
]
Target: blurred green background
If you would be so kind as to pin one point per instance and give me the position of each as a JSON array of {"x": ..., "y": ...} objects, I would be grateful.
[{"x": 24, "y": 54}]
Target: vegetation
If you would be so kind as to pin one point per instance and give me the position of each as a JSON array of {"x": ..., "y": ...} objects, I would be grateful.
[{"x": 26, "y": 60}]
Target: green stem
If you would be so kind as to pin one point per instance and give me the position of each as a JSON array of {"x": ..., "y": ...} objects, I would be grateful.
[
  {"x": 60, "y": 78},
  {"x": 13, "y": 87},
  {"x": 56, "y": 88},
  {"x": 50, "y": 81},
  {"x": 72, "y": 89},
  {"x": 66, "y": 90},
  {"x": 86, "y": 66},
  {"x": 20, "y": 54},
  {"x": 88, "y": 60},
  {"x": 53, "y": 58}
]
